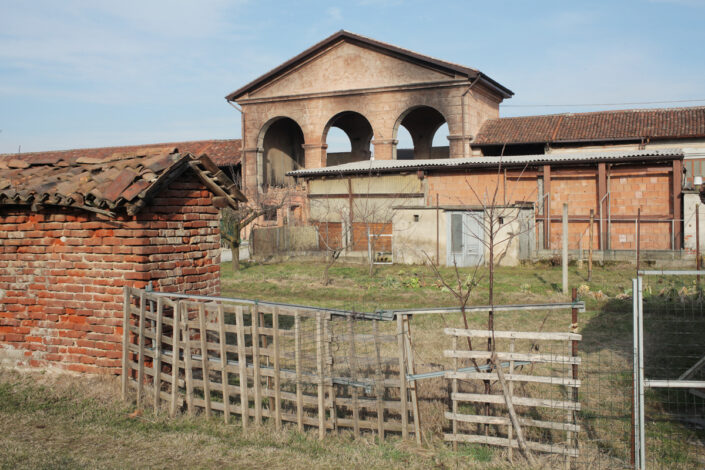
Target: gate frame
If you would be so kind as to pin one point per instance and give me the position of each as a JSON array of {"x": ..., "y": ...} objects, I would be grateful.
[{"x": 640, "y": 381}]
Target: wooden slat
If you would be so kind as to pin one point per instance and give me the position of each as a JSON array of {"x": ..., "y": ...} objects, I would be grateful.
[
  {"x": 188, "y": 365},
  {"x": 204, "y": 358},
  {"x": 504, "y": 421},
  {"x": 257, "y": 382},
  {"x": 277, "y": 376},
  {"x": 402, "y": 379},
  {"x": 532, "y": 335},
  {"x": 223, "y": 362},
  {"x": 353, "y": 375},
  {"x": 518, "y": 401},
  {"x": 140, "y": 357},
  {"x": 565, "y": 381},
  {"x": 504, "y": 442},
  {"x": 299, "y": 391},
  {"x": 329, "y": 363},
  {"x": 411, "y": 370},
  {"x": 504, "y": 356},
  {"x": 319, "y": 365},
  {"x": 242, "y": 360},
  {"x": 379, "y": 389},
  {"x": 158, "y": 354},
  {"x": 175, "y": 362}
]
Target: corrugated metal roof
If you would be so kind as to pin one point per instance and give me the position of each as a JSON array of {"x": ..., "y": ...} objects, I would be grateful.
[{"x": 382, "y": 166}]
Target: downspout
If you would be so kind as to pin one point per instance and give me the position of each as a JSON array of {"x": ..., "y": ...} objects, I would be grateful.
[
  {"x": 242, "y": 143},
  {"x": 462, "y": 105}
]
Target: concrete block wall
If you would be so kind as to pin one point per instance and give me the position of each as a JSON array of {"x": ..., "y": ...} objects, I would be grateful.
[{"x": 62, "y": 274}]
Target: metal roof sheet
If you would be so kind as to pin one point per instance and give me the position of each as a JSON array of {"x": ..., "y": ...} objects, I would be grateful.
[{"x": 380, "y": 166}]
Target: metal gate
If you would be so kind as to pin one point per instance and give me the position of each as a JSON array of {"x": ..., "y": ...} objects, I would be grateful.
[{"x": 669, "y": 369}]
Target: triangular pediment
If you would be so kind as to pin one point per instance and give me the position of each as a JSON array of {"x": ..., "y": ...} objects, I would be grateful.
[
  {"x": 347, "y": 61},
  {"x": 346, "y": 66}
]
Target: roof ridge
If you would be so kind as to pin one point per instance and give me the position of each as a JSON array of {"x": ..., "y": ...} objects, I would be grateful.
[
  {"x": 628, "y": 110},
  {"x": 117, "y": 147}
]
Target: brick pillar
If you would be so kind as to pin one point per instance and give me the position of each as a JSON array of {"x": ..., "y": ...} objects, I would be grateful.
[
  {"x": 457, "y": 143},
  {"x": 315, "y": 155},
  {"x": 251, "y": 169},
  {"x": 385, "y": 149}
]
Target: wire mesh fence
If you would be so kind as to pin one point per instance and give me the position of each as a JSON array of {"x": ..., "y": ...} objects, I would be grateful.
[
  {"x": 601, "y": 421},
  {"x": 386, "y": 373}
]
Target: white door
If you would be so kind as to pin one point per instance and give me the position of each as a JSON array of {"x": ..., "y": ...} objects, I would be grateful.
[{"x": 464, "y": 238}]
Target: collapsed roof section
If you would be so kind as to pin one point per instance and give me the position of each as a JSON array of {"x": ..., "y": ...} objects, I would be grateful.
[{"x": 105, "y": 184}]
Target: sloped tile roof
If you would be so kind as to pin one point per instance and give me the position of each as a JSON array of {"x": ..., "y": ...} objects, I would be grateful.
[
  {"x": 633, "y": 124},
  {"x": 221, "y": 152},
  {"x": 95, "y": 181}
]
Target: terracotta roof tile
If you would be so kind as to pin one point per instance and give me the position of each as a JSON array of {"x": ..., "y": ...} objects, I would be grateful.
[
  {"x": 104, "y": 180},
  {"x": 598, "y": 126},
  {"x": 221, "y": 152}
]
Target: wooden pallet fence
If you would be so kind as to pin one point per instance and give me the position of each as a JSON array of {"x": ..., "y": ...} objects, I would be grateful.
[
  {"x": 279, "y": 364},
  {"x": 540, "y": 386}
]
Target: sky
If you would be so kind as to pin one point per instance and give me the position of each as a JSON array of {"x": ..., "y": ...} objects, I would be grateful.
[{"x": 77, "y": 74}]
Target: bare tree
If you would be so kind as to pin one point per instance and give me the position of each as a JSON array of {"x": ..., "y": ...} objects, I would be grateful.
[
  {"x": 233, "y": 222},
  {"x": 497, "y": 229}
]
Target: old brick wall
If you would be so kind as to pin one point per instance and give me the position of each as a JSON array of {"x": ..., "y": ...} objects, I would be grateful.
[{"x": 62, "y": 274}]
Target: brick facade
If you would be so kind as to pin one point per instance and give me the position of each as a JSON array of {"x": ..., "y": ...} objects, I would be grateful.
[
  {"x": 62, "y": 273},
  {"x": 648, "y": 187}
]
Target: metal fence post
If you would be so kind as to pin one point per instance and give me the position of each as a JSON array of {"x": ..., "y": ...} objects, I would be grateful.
[
  {"x": 635, "y": 452},
  {"x": 642, "y": 421}
]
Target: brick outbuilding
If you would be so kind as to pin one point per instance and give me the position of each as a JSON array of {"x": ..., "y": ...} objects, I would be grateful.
[{"x": 76, "y": 229}]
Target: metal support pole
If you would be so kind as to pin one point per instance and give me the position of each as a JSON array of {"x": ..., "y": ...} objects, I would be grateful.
[
  {"x": 642, "y": 421},
  {"x": 638, "y": 238},
  {"x": 565, "y": 248},
  {"x": 635, "y": 376}
]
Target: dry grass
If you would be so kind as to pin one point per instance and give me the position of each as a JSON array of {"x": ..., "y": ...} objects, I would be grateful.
[
  {"x": 62, "y": 421},
  {"x": 51, "y": 421}
]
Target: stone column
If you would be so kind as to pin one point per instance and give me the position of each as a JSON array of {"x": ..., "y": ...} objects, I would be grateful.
[
  {"x": 385, "y": 149},
  {"x": 314, "y": 155}
]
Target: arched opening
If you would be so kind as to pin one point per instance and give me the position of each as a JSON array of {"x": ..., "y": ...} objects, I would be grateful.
[
  {"x": 282, "y": 151},
  {"x": 428, "y": 130},
  {"x": 359, "y": 134}
]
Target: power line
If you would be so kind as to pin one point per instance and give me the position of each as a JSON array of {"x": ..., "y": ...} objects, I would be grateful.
[{"x": 632, "y": 103}]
